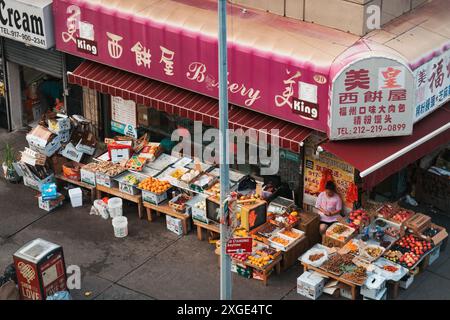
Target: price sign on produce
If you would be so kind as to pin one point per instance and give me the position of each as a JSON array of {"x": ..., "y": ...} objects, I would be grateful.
[
  {"x": 373, "y": 97},
  {"x": 239, "y": 245}
]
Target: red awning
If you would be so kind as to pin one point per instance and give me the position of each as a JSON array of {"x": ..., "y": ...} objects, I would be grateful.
[
  {"x": 183, "y": 103},
  {"x": 377, "y": 159}
]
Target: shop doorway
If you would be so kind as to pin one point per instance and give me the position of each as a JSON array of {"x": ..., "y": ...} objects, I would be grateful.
[{"x": 40, "y": 93}]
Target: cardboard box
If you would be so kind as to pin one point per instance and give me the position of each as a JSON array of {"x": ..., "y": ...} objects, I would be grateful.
[
  {"x": 340, "y": 14},
  {"x": 49, "y": 205},
  {"x": 88, "y": 177},
  {"x": 174, "y": 225},
  {"x": 310, "y": 285},
  {"x": 153, "y": 198},
  {"x": 197, "y": 213},
  {"x": 40, "y": 139},
  {"x": 439, "y": 237},
  {"x": 64, "y": 136},
  {"x": 119, "y": 151},
  {"x": 61, "y": 123},
  {"x": 87, "y": 143},
  {"x": 105, "y": 180},
  {"x": 36, "y": 183},
  {"x": 71, "y": 153}
]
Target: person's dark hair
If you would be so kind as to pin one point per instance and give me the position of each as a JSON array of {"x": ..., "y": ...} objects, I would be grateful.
[{"x": 330, "y": 186}]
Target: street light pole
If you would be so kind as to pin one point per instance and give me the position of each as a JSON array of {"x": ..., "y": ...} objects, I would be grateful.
[{"x": 225, "y": 262}]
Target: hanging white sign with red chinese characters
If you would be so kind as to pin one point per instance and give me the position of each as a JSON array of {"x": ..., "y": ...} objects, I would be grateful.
[
  {"x": 433, "y": 85},
  {"x": 372, "y": 97}
]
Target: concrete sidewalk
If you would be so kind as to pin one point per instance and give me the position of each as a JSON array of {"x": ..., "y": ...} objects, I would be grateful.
[{"x": 152, "y": 262}]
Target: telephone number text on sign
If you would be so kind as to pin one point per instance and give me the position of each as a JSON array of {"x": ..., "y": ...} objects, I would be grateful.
[
  {"x": 372, "y": 129},
  {"x": 22, "y": 36}
]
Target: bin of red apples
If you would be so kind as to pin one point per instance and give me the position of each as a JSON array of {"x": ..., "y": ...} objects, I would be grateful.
[
  {"x": 413, "y": 249},
  {"x": 387, "y": 211},
  {"x": 401, "y": 216},
  {"x": 358, "y": 218}
]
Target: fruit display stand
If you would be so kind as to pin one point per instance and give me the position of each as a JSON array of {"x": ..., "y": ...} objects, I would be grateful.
[
  {"x": 92, "y": 189},
  {"x": 264, "y": 271},
  {"x": 330, "y": 240},
  {"x": 167, "y": 210},
  {"x": 309, "y": 224},
  {"x": 353, "y": 286},
  {"x": 117, "y": 193},
  {"x": 213, "y": 228},
  {"x": 291, "y": 255}
]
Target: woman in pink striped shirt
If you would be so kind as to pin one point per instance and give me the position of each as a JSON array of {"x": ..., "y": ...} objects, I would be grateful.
[{"x": 329, "y": 204}]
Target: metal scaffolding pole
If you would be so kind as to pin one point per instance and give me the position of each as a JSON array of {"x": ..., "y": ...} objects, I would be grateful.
[{"x": 225, "y": 262}]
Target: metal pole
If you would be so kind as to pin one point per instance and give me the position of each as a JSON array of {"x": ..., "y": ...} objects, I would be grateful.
[{"x": 225, "y": 262}]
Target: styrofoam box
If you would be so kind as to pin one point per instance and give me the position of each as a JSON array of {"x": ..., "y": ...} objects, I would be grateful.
[
  {"x": 434, "y": 255},
  {"x": 345, "y": 292},
  {"x": 174, "y": 225},
  {"x": 382, "y": 295},
  {"x": 310, "y": 285},
  {"x": 153, "y": 198},
  {"x": 373, "y": 291},
  {"x": 87, "y": 177},
  {"x": 406, "y": 283}
]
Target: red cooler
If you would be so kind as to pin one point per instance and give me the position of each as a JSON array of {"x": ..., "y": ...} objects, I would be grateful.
[{"x": 40, "y": 269}]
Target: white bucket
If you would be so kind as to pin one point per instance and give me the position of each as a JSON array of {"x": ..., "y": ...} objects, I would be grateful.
[
  {"x": 120, "y": 225},
  {"x": 115, "y": 207},
  {"x": 76, "y": 197}
]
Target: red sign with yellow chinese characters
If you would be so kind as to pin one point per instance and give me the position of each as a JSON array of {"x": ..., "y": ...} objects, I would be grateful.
[{"x": 373, "y": 97}]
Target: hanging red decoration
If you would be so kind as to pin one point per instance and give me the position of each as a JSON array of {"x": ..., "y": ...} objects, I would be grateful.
[
  {"x": 352, "y": 193},
  {"x": 327, "y": 175}
]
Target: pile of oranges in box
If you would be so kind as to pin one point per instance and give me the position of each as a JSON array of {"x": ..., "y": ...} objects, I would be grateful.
[{"x": 154, "y": 185}]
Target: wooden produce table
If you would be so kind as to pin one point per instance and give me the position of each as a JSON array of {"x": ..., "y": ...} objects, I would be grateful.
[
  {"x": 290, "y": 257},
  {"x": 309, "y": 224},
  {"x": 266, "y": 270},
  {"x": 353, "y": 286},
  {"x": 166, "y": 209},
  {"x": 212, "y": 227},
  {"x": 117, "y": 193},
  {"x": 80, "y": 184}
]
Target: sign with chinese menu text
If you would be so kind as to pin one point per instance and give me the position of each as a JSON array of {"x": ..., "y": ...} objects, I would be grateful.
[
  {"x": 432, "y": 85},
  {"x": 342, "y": 173},
  {"x": 123, "y": 115},
  {"x": 372, "y": 97}
]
